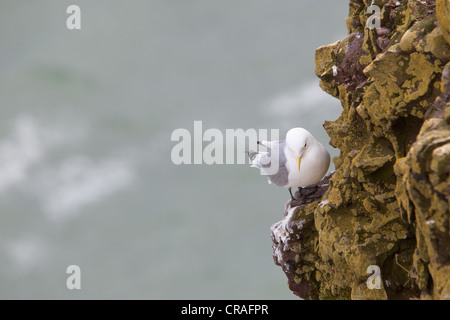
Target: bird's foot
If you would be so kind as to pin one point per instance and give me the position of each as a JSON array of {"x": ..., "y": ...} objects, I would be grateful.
[
  {"x": 300, "y": 189},
  {"x": 290, "y": 192}
]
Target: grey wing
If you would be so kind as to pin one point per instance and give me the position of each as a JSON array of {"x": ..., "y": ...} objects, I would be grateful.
[{"x": 281, "y": 177}]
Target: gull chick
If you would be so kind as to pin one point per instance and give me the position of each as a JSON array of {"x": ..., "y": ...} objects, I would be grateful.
[{"x": 302, "y": 160}]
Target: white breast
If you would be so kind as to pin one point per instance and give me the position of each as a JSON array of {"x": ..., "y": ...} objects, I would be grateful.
[{"x": 314, "y": 165}]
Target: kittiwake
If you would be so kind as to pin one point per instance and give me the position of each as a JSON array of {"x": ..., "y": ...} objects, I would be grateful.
[{"x": 302, "y": 160}]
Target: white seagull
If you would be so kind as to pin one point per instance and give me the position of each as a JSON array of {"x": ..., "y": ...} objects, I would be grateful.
[{"x": 302, "y": 160}]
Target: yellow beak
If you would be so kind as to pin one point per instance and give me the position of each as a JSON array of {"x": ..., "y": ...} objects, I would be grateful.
[{"x": 299, "y": 160}]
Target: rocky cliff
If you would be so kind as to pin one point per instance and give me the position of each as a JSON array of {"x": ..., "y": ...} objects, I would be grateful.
[{"x": 387, "y": 203}]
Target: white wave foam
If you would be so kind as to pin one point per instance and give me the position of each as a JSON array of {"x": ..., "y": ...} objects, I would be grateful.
[
  {"x": 27, "y": 145},
  {"x": 25, "y": 254},
  {"x": 19, "y": 152},
  {"x": 79, "y": 182},
  {"x": 299, "y": 100},
  {"x": 64, "y": 187}
]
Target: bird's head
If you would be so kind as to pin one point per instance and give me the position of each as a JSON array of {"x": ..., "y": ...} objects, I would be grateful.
[{"x": 297, "y": 142}]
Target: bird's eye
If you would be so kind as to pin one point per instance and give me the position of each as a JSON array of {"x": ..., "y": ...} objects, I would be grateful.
[{"x": 305, "y": 145}]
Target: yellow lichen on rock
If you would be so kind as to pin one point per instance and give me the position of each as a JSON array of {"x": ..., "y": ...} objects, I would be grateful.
[
  {"x": 426, "y": 186},
  {"x": 387, "y": 204},
  {"x": 443, "y": 14}
]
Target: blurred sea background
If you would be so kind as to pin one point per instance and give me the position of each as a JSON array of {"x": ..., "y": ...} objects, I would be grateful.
[{"x": 86, "y": 176}]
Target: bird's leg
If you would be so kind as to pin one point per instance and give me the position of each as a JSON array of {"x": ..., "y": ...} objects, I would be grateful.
[
  {"x": 290, "y": 191},
  {"x": 300, "y": 191}
]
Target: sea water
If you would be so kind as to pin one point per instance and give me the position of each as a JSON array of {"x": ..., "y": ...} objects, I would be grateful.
[{"x": 86, "y": 176}]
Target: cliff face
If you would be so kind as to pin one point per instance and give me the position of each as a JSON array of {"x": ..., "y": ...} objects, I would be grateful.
[{"x": 387, "y": 204}]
